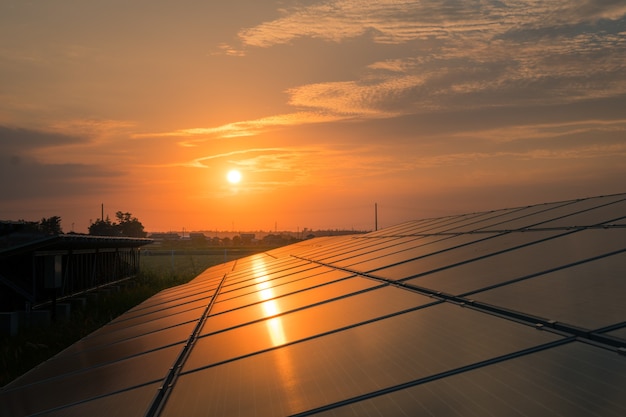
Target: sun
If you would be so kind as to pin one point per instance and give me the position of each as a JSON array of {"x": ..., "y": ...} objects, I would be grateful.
[{"x": 233, "y": 176}]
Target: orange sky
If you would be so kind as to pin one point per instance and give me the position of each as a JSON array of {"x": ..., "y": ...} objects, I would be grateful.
[{"x": 426, "y": 108}]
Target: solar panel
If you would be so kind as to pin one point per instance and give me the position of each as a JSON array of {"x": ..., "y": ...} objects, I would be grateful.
[{"x": 515, "y": 311}]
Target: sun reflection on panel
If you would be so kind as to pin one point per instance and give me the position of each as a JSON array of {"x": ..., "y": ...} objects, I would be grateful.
[
  {"x": 274, "y": 323},
  {"x": 277, "y": 333},
  {"x": 269, "y": 306}
]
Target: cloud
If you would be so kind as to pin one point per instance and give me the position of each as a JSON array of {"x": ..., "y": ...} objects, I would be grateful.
[
  {"x": 26, "y": 177},
  {"x": 31, "y": 179},
  {"x": 577, "y": 11},
  {"x": 401, "y": 21},
  {"x": 455, "y": 55},
  {"x": 14, "y": 140},
  {"x": 462, "y": 54},
  {"x": 193, "y": 136}
]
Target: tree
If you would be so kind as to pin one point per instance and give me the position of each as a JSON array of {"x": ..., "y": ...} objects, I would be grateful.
[
  {"x": 127, "y": 225},
  {"x": 51, "y": 225},
  {"x": 103, "y": 228}
]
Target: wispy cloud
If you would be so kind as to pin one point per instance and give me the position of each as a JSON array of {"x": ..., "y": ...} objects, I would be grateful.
[
  {"x": 401, "y": 21},
  {"x": 192, "y": 136},
  {"x": 463, "y": 54}
]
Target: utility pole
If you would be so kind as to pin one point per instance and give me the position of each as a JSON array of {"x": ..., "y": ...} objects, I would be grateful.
[{"x": 375, "y": 216}]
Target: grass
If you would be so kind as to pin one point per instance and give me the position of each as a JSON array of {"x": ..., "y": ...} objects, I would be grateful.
[{"x": 31, "y": 346}]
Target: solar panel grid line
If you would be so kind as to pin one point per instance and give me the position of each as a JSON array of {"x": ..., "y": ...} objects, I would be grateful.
[
  {"x": 378, "y": 247},
  {"x": 87, "y": 368},
  {"x": 50, "y": 393},
  {"x": 607, "y": 342},
  {"x": 99, "y": 339},
  {"x": 436, "y": 377},
  {"x": 424, "y": 251},
  {"x": 364, "y": 246},
  {"x": 437, "y": 252},
  {"x": 521, "y": 213},
  {"x": 351, "y": 271},
  {"x": 284, "y": 266},
  {"x": 169, "y": 379},
  {"x": 552, "y": 206},
  {"x": 397, "y": 229},
  {"x": 165, "y": 305},
  {"x": 490, "y": 217},
  {"x": 467, "y": 260},
  {"x": 283, "y": 281},
  {"x": 450, "y": 223},
  {"x": 158, "y": 300},
  {"x": 542, "y": 256},
  {"x": 542, "y": 383},
  {"x": 282, "y": 313},
  {"x": 93, "y": 343},
  {"x": 575, "y": 213},
  {"x": 174, "y": 311},
  {"x": 543, "y": 272},
  {"x": 520, "y": 317},
  {"x": 548, "y": 213},
  {"x": 312, "y": 337},
  {"x": 67, "y": 363},
  {"x": 244, "y": 281},
  {"x": 541, "y": 323},
  {"x": 610, "y": 328},
  {"x": 604, "y": 225},
  {"x": 283, "y": 295},
  {"x": 325, "y": 251},
  {"x": 65, "y": 407}
]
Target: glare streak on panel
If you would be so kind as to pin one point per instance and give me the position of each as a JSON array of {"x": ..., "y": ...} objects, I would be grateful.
[
  {"x": 233, "y": 281},
  {"x": 352, "y": 362},
  {"x": 282, "y": 304},
  {"x": 575, "y": 380},
  {"x": 283, "y": 285},
  {"x": 248, "y": 286},
  {"x": 302, "y": 324}
]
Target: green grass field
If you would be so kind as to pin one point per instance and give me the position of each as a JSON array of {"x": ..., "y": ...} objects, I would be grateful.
[{"x": 159, "y": 270}]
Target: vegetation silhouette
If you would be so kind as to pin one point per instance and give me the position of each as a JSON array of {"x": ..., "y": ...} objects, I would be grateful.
[{"x": 126, "y": 225}]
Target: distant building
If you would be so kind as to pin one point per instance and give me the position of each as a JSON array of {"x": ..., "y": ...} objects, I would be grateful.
[
  {"x": 247, "y": 238},
  {"x": 160, "y": 238}
]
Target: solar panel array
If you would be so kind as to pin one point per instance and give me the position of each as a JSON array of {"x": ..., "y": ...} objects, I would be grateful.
[{"x": 509, "y": 312}]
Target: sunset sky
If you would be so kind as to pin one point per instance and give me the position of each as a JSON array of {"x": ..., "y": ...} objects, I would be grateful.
[{"x": 428, "y": 108}]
